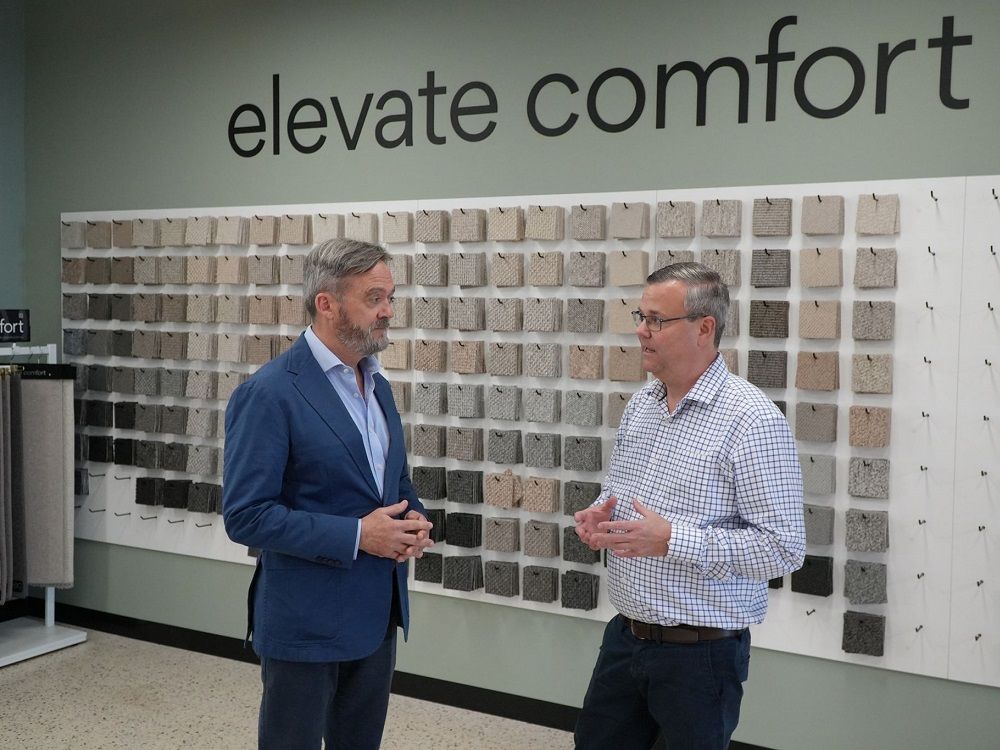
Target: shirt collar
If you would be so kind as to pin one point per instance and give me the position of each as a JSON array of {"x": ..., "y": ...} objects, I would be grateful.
[
  {"x": 328, "y": 360},
  {"x": 705, "y": 389}
]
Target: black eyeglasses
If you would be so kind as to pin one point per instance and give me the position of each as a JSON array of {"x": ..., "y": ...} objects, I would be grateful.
[{"x": 654, "y": 323}]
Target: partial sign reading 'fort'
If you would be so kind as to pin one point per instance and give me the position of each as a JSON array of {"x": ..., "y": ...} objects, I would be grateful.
[
  {"x": 555, "y": 102},
  {"x": 15, "y": 326}
]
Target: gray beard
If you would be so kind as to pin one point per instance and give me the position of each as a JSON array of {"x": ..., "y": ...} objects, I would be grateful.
[{"x": 361, "y": 340}]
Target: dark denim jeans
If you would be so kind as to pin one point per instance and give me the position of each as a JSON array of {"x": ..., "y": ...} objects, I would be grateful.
[{"x": 689, "y": 692}]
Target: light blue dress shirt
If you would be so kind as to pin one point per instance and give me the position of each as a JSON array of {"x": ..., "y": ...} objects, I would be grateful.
[{"x": 364, "y": 408}]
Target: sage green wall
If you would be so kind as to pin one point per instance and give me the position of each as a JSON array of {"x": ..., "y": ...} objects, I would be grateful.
[
  {"x": 127, "y": 107},
  {"x": 11, "y": 153}
]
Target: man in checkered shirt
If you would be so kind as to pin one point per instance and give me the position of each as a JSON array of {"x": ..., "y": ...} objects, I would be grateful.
[{"x": 701, "y": 506}]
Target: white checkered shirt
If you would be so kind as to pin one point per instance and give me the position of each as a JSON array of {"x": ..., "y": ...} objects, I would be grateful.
[{"x": 723, "y": 469}]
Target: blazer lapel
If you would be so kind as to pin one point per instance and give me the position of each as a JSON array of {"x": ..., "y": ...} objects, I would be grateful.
[
  {"x": 312, "y": 383},
  {"x": 397, "y": 450}
]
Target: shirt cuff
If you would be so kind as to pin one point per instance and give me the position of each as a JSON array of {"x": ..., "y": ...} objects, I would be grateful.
[
  {"x": 357, "y": 540},
  {"x": 686, "y": 543}
]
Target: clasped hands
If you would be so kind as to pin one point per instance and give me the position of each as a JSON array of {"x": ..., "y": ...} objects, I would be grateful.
[
  {"x": 647, "y": 537},
  {"x": 384, "y": 535}
]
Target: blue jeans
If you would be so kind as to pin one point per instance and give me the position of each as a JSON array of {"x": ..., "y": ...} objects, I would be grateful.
[
  {"x": 689, "y": 692},
  {"x": 341, "y": 703}
]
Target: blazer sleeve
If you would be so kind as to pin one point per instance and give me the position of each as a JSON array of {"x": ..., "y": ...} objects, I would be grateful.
[{"x": 258, "y": 434}]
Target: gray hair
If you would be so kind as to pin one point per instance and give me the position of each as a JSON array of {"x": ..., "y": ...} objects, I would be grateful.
[
  {"x": 705, "y": 293},
  {"x": 330, "y": 263}
]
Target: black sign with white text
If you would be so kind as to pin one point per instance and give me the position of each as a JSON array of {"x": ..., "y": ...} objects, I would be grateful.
[{"x": 15, "y": 326}]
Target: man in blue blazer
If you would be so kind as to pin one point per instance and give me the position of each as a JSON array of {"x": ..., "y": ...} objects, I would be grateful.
[{"x": 316, "y": 478}]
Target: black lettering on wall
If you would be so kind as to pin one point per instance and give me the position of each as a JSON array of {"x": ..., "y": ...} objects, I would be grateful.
[
  {"x": 429, "y": 92},
  {"x": 701, "y": 76},
  {"x": 885, "y": 58},
  {"x": 947, "y": 42},
  {"x": 771, "y": 59},
  {"x": 406, "y": 117},
  {"x": 457, "y": 111},
  {"x": 351, "y": 139},
  {"x": 295, "y": 124},
  {"x": 858, "y": 88},
  {"x": 640, "y": 100},
  {"x": 275, "y": 110},
  {"x": 235, "y": 130},
  {"x": 536, "y": 124},
  {"x": 473, "y": 111}
]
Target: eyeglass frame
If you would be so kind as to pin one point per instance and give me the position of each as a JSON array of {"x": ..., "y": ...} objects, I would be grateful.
[{"x": 638, "y": 318}]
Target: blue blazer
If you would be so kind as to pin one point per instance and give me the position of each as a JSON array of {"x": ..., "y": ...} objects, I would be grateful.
[{"x": 296, "y": 480}]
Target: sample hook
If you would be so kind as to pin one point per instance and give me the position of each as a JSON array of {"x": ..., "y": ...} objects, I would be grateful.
[
  {"x": 933, "y": 196},
  {"x": 928, "y": 305},
  {"x": 931, "y": 251}
]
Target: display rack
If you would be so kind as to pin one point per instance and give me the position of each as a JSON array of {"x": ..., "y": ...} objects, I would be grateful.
[{"x": 27, "y": 637}]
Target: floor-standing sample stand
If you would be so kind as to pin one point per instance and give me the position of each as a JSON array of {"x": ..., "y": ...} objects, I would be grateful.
[{"x": 27, "y": 637}]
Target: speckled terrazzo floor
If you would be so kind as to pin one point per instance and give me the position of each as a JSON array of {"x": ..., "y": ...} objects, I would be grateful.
[{"x": 114, "y": 692}]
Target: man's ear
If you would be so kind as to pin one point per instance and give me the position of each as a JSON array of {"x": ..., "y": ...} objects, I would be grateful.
[
  {"x": 707, "y": 329},
  {"x": 326, "y": 305}
]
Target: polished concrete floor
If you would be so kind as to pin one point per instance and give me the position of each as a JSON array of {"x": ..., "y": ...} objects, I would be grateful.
[{"x": 113, "y": 692}]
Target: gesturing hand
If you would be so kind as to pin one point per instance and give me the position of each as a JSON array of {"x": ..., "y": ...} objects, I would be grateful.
[
  {"x": 647, "y": 537},
  {"x": 383, "y": 535},
  {"x": 587, "y": 520}
]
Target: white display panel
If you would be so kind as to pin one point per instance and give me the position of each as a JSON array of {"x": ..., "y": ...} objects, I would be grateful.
[{"x": 942, "y": 388}]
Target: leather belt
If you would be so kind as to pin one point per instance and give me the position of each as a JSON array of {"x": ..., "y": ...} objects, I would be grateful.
[{"x": 645, "y": 631}]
